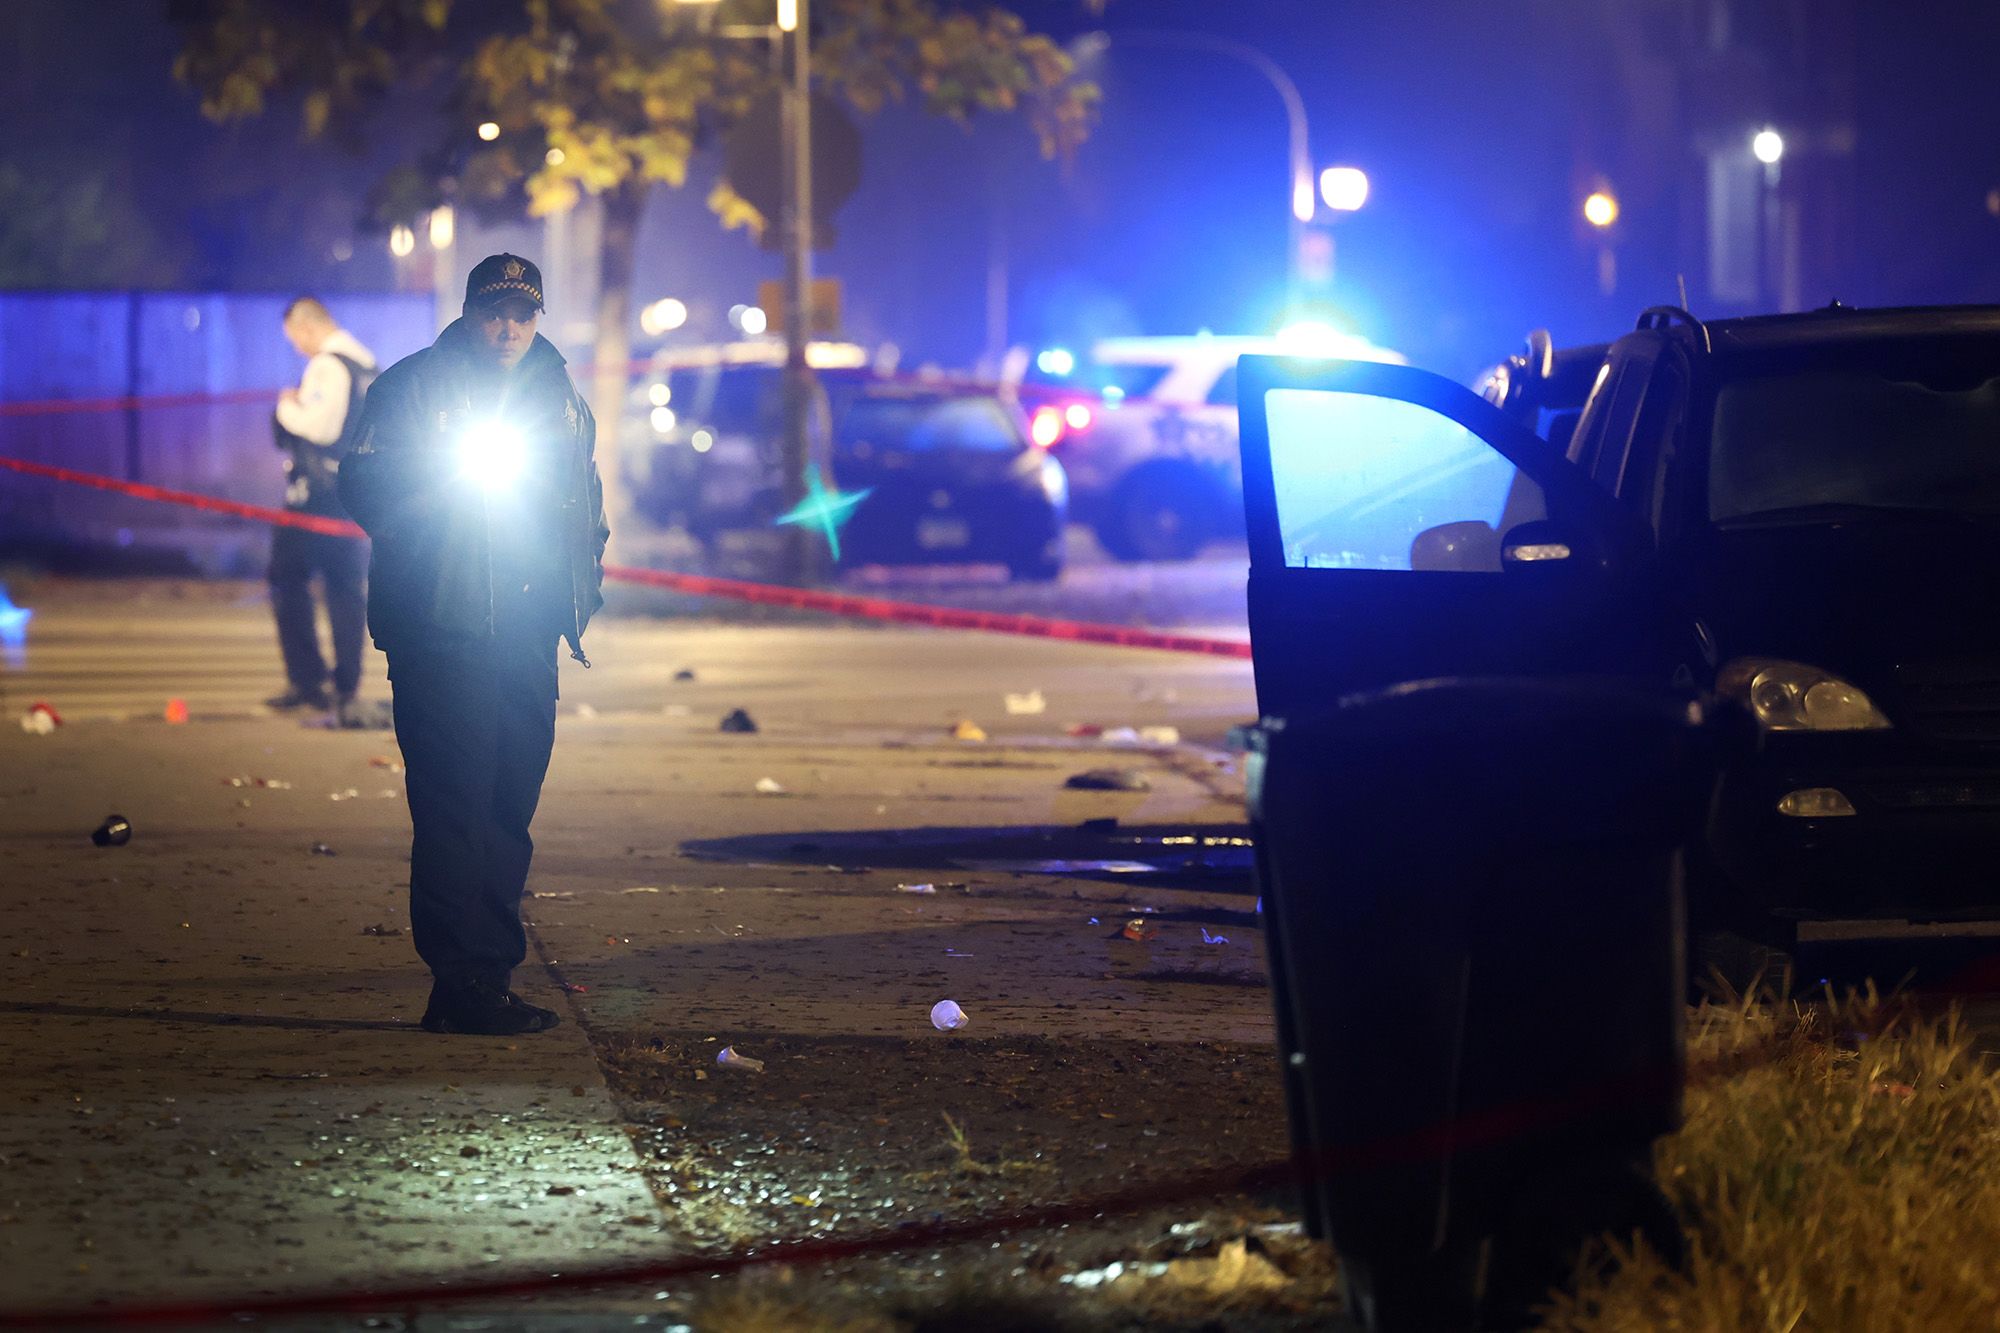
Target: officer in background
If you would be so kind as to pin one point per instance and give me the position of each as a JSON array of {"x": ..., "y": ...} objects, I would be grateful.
[
  {"x": 475, "y": 474},
  {"x": 314, "y": 425}
]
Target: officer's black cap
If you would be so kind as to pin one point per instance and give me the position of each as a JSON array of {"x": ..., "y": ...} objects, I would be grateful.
[{"x": 497, "y": 277}]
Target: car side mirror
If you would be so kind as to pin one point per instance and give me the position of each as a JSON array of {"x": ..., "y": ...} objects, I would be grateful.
[
  {"x": 1537, "y": 543},
  {"x": 1471, "y": 547}
]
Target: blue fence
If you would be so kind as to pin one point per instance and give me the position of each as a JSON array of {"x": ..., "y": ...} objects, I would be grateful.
[{"x": 175, "y": 389}]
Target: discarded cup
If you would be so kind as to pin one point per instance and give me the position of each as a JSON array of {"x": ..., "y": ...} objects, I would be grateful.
[
  {"x": 739, "y": 721},
  {"x": 729, "y": 1059},
  {"x": 770, "y": 787},
  {"x": 115, "y": 831},
  {"x": 40, "y": 719},
  {"x": 1139, "y": 928},
  {"x": 968, "y": 730},
  {"x": 947, "y": 1016},
  {"x": 177, "y": 711},
  {"x": 1030, "y": 703}
]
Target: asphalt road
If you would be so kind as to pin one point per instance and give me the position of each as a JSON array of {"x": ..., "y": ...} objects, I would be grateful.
[{"x": 207, "y": 1044}]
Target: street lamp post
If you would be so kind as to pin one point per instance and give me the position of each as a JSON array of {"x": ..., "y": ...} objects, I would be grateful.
[
  {"x": 1303, "y": 202},
  {"x": 791, "y": 29}
]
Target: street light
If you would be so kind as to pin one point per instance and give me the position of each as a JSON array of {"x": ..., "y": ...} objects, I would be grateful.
[
  {"x": 1600, "y": 210},
  {"x": 1345, "y": 189},
  {"x": 401, "y": 241},
  {"x": 1767, "y": 146},
  {"x": 1303, "y": 200},
  {"x": 489, "y": 130}
]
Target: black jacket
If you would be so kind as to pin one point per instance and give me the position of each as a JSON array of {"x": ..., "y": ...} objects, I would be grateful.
[{"x": 431, "y": 571}]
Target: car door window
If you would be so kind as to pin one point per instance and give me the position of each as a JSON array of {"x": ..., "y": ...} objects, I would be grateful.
[
  {"x": 1365, "y": 482},
  {"x": 979, "y": 425}
]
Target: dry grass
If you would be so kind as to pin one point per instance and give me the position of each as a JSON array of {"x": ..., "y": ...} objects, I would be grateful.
[{"x": 1850, "y": 1183}]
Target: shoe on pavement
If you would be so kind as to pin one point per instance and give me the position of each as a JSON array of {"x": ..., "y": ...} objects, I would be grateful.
[
  {"x": 296, "y": 698},
  {"x": 481, "y": 1008}
]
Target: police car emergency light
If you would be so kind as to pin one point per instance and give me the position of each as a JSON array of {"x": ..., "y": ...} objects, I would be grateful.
[{"x": 493, "y": 454}]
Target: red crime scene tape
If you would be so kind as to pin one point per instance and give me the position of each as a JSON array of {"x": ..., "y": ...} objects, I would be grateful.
[{"x": 701, "y": 585}]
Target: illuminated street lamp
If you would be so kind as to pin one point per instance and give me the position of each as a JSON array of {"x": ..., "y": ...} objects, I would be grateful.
[
  {"x": 489, "y": 130},
  {"x": 1600, "y": 210},
  {"x": 1768, "y": 147},
  {"x": 1345, "y": 189},
  {"x": 401, "y": 241}
]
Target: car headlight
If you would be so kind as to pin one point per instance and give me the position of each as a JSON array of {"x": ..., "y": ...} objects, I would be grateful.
[
  {"x": 1791, "y": 696},
  {"x": 492, "y": 453}
]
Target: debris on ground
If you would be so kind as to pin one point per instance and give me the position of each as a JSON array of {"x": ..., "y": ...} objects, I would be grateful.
[
  {"x": 350, "y": 794},
  {"x": 968, "y": 730},
  {"x": 771, "y": 787},
  {"x": 739, "y": 721},
  {"x": 1027, "y": 704},
  {"x": 1139, "y": 928},
  {"x": 916, "y": 888},
  {"x": 643, "y": 888},
  {"x": 382, "y": 932},
  {"x": 40, "y": 719},
  {"x": 729, "y": 1059},
  {"x": 684, "y": 674},
  {"x": 115, "y": 831},
  {"x": 1160, "y": 735},
  {"x": 176, "y": 711},
  {"x": 586, "y": 712},
  {"x": 321, "y": 849},
  {"x": 385, "y": 761},
  {"x": 1109, "y": 779},
  {"x": 273, "y": 784},
  {"x": 1207, "y": 938},
  {"x": 1083, "y": 729},
  {"x": 573, "y": 988},
  {"x": 568, "y": 895},
  {"x": 1119, "y": 735},
  {"x": 947, "y": 1016}
]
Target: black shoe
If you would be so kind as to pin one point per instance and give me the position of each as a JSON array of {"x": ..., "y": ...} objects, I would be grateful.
[
  {"x": 295, "y": 698},
  {"x": 483, "y": 1009}
]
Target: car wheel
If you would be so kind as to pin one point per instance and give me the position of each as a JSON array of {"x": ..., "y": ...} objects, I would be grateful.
[{"x": 1159, "y": 512}]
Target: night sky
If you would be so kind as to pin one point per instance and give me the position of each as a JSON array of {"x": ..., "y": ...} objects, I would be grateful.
[{"x": 1479, "y": 125}]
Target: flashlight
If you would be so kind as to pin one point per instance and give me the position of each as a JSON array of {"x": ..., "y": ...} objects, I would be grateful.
[{"x": 492, "y": 453}]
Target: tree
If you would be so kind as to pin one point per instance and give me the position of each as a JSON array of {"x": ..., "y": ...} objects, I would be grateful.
[{"x": 609, "y": 98}]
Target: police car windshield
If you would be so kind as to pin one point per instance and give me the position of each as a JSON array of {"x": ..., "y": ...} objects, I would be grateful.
[{"x": 1832, "y": 445}]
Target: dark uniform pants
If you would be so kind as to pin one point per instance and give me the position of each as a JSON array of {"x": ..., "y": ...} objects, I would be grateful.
[
  {"x": 476, "y": 721},
  {"x": 342, "y": 564}
]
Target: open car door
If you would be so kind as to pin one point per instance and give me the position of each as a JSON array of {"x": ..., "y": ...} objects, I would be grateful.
[
  {"x": 1461, "y": 825},
  {"x": 1402, "y": 528}
]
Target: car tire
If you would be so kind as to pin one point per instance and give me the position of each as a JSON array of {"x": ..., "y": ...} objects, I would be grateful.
[{"x": 1161, "y": 511}]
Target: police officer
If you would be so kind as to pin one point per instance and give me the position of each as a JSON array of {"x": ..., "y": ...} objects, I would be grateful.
[
  {"x": 314, "y": 425},
  {"x": 475, "y": 475}
]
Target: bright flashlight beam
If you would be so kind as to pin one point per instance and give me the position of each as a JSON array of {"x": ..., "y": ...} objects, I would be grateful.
[{"x": 493, "y": 454}]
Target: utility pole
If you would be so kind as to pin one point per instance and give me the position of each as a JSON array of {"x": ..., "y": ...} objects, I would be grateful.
[{"x": 803, "y": 564}]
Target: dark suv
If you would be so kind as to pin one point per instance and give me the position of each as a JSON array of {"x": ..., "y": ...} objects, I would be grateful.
[{"x": 1800, "y": 512}]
